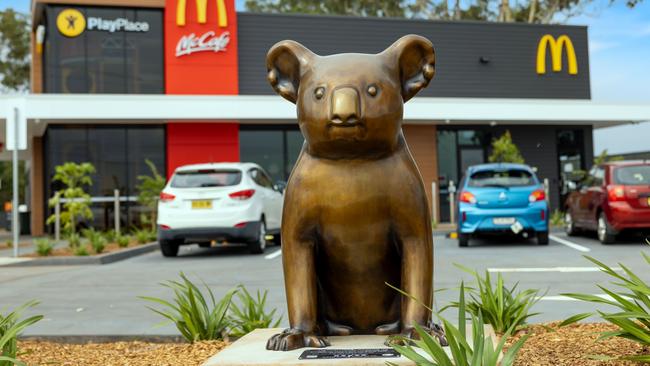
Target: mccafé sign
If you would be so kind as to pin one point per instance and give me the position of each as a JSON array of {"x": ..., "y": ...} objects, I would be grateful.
[
  {"x": 201, "y": 47},
  {"x": 209, "y": 41}
]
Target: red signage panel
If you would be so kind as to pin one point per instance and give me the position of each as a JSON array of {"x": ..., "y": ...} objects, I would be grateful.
[{"x": 201, "y": 47}]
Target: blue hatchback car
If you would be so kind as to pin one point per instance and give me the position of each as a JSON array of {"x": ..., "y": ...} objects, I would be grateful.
[{"x": 502, "y": 198}]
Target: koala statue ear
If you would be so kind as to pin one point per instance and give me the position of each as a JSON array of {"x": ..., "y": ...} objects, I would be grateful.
[
  {"x": 285, "y": 62},
  {"x": 413, "y": 56}
]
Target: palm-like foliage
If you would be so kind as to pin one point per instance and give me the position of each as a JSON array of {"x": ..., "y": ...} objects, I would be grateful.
[
  {"x": 481, "y": 351},
  {"x": 149, "y": 190},
  {"x": 632, "y": 298},
  {"x": 503, "y": 308},
  {"x": 251, "y": 313},
  {"x": 196, "y": 316},
  {"x": 10, "y": 327}
]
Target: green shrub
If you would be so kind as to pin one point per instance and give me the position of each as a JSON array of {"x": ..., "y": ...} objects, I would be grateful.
[
  {"x": 9, "y": 243},
  {"x": 80, "y": 250},
  {"x": 631, "y": 296},
  {"x": 144, "y": 236},
  {"x": 44, "y": 246},
  {"x": 497, "y": 305},
  {"x": 198, "y": 317},
  {"x": 110, "y": 236},
  {"x": 557, "y": 218},
  {"x": 98, "y": 243},
  {"x": 74, "y": 241},
  {"x": 122, "y": 241},
  {"x": 482, "y": 351},
  {"x": 250, "y": 313},
  {"x": 10, "y": 327}
]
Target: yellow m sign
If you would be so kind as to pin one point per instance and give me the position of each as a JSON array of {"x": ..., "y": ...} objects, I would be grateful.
[
  {"x": 201, "y": 12},
  {"x": 557, "y": 47}
]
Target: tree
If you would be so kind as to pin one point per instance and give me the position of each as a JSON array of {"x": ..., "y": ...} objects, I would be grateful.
[
  {"x": 604, "y": 157},
  {"x": 505, "y": 151},
  {"x": 77, "y": 206},
  {"x": 525, "y": 11},
  {"x": 14, "y": 51},
  {"x": 149, "y": 191}
]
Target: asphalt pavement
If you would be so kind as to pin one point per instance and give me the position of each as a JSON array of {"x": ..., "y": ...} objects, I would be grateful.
[{"x": 103, "y": 299}]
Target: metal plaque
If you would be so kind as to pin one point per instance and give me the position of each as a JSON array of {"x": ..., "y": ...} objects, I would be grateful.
[{"x": 320, "y": 354}]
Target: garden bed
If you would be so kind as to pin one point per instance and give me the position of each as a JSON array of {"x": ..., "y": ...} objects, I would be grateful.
[
  {"x": 118, "y": 353},
  {"x": 68, "y": 260},
  {"x": 66, "y": 251},
  {"x": 574, "y": 345},
  {"x": 548, "y": 346}
]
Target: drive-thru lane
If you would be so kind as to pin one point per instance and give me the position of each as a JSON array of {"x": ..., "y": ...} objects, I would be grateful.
[{"x": 103, "y": 299}]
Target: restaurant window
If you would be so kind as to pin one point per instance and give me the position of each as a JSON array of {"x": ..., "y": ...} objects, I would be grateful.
[
  {"x": 101, "y": 61},
  {"x": 274, "y": 148},
  {"x": 119, "y": 155}
]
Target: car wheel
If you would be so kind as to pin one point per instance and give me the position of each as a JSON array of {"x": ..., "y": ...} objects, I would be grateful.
[
  {"x": 258, "y": 246},
  {"x": 605, "y": 233},
  {"x": 569, "y": 224},
  {"x": 277, "y": 239},
  {"x": 169, "y": 248},
  {"x": 463, "y": 240},
  {"x": 542, "y": 237}
]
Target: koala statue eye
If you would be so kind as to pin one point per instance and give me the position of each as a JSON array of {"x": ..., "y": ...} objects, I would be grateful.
[
  {"x": 372, "y": 90},
  {"x": 319, "y": 92}
]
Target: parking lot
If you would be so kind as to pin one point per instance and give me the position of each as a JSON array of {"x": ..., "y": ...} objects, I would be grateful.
[{"x": 103, "y": 300}]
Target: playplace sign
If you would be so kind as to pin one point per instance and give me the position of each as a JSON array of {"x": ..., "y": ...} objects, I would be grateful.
[
  {"x": 72, "y": 23},
  {"x": 201, "y": 47}
]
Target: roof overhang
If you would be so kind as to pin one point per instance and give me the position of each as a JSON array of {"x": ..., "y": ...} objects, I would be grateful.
[{"x": 72, "y": 108}]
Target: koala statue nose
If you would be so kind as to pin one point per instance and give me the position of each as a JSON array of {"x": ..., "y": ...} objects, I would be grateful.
[{"x": 345, "y": 105}]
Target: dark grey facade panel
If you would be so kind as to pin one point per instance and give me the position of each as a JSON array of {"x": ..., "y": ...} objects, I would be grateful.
[{"x": 510, "y": 48}]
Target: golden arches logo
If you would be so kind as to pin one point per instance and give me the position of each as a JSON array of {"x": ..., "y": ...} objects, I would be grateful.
[
  {"x": 201, "y": 12},
  {"x": 557, "y": 47}
]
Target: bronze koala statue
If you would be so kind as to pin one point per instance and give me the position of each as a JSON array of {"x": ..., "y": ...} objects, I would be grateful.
[{"x": 355, "y": 212}]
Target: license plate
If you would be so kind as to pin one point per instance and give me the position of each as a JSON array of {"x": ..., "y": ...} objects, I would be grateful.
[
  {"x": 503, "y": 220},
  {"x": 201, "y": 205}
]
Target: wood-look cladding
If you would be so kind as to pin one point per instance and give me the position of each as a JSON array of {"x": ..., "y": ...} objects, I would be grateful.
[
  {"x": 421, "y": 140},
  {"x": 129, "y": 3},
  {"x": 36, "y": 71}
]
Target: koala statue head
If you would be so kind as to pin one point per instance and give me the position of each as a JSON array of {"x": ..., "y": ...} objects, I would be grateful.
[{"x": 351, "y": 105}]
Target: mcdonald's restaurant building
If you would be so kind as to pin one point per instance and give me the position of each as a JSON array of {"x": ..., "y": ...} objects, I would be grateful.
[{"x": 117, "y": 82}]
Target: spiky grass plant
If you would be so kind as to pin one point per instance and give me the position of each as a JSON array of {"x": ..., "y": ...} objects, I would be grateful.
[
  {"x": 479, "y": 351},
  {"x": 501, "y": 307},
  {"x": 631, "y": 296},
  {"x": 251, "y": 313},
  {"x": 10, "y": 328},
  {"x": 196, "y": 315}
]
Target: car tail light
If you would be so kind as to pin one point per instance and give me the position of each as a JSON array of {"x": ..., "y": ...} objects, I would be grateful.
[
  {"x": 467, "y": 197},
  {"x": 242, "y": 195},
  {"x": 542, "y": 215},
  {"x": 464, "y": 216},
  {"x": 166, "y": 197},
  {"x": 165, "y": 227},
  {"x": 616, "y": 193},
  {"x": 537, "y": 195},
  {"x": 240, "y": 225}
]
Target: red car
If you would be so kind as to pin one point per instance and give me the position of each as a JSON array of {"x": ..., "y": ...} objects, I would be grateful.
[{"x": 614, "y": 196}]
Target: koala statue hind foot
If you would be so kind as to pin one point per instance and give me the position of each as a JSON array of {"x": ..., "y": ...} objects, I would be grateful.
[
  {"x": 291, "y": 339},
  {"x": 410, "y": 333}
]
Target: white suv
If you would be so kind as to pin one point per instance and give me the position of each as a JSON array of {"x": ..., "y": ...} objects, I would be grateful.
[{"x": 235, "y": 202}]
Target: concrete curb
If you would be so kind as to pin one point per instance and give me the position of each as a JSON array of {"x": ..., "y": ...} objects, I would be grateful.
[
  {"x": 83, "y": 339},
  {"x": 88, "y": 260}
]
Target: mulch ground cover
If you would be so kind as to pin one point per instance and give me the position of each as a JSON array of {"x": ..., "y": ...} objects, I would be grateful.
[
  {"x": 118, "y": 353},
  {"x": 575, "y": 345}
]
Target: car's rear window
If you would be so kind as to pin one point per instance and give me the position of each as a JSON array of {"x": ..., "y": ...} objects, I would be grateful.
[
  {"x": 501, "y": 178},
  {"x": 632, "y": 175},
  {"x": 206, "y": 178}
]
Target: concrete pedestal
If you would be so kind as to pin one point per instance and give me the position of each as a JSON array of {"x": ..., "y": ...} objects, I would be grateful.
[{"x": 250, "y": 350}]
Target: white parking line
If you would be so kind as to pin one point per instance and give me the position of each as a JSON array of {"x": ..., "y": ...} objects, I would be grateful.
[
  {"x": 550, "y": 269},
  {"x": 564, "y": 298},
  {"x": 569, "y": 244},
  {"x": 275, "y": 254}
]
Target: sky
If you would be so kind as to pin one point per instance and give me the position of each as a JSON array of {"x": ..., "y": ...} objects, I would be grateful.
[{"x": 619, "y": 47}]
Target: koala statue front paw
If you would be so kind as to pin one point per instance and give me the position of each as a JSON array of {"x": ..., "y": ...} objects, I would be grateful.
[{"x": 292, "y": 338}]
